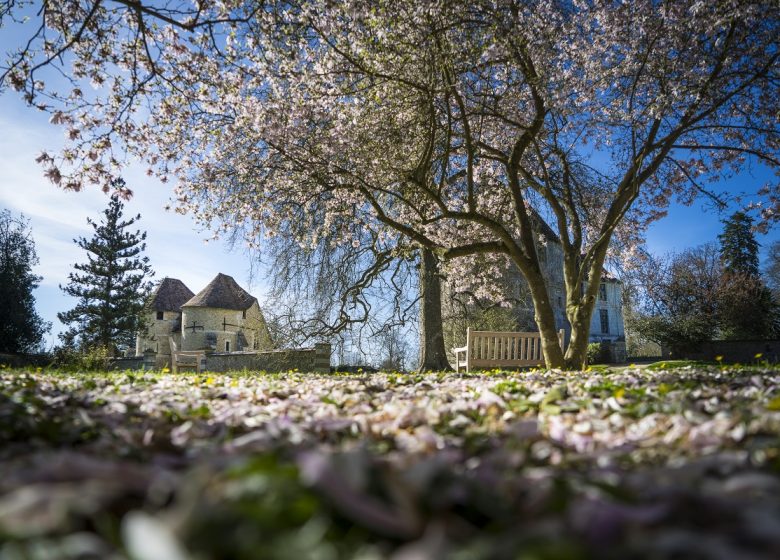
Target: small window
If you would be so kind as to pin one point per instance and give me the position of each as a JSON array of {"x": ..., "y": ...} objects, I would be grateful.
[
  {"x": 243, "y": 314},
  {"x": 560, "y": 301},
  {"x": 159, "y": 315},
  {"x": 603, "y": 292},
  {"x": 227, "y": 346},
  {"x": 604, "y": 316}
]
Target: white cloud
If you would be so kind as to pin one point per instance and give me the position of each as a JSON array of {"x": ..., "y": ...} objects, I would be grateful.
[{"x": 174, "y": 246}]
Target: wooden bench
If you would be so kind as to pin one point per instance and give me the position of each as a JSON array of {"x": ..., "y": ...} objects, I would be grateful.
[
  {"x": 187, "y": 358},
  {"x": 492, "y": 349}
]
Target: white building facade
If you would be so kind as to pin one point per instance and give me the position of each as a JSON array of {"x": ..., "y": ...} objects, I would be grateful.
[{"x": 606, "y": 324}]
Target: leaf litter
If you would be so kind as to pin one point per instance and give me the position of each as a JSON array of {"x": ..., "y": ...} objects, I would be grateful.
[{"x": 635, "y": 463}]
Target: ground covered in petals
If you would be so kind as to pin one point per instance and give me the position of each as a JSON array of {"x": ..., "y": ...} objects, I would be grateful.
[{"x": 681, "y": 463}]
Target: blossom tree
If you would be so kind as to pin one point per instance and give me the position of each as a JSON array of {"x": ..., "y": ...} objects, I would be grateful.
[
  {"x": 353, "y": 293},
  {"x": 455, "y": 126}
]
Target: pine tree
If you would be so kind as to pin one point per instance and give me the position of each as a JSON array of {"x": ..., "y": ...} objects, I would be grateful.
[
  {"x": 746, "y": 309},
  {"x": 21, "y": 328},
  {"x": 738, "y": 245},
  {"x": 111, "y": 286}
]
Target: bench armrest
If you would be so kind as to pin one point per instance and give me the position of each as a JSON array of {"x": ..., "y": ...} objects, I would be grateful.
[{"x": 462, "y": 351}]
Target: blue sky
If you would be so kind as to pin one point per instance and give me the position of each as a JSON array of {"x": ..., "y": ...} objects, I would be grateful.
[{"x": 174, "y": 245}]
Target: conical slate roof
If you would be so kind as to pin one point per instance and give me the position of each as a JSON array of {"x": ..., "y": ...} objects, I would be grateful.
[
  {"x": 224, "y": 293},
  {"x": 169, "y": 295}
]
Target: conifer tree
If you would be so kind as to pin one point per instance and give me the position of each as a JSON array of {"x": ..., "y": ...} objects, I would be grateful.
[
  {"x": 21, "y": 328},
  {"x": 745, "y": 305},
  {"x": 111, "y": 286},
  {"x": 738, "y": 245}
]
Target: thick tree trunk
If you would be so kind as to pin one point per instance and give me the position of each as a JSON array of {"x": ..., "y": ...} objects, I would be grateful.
[
  {"x": 579, "y": 310},
  {"x": 577, "y": 351},
  {"x": 433, "y": 356},
  {"x": 545, "y": 320}
]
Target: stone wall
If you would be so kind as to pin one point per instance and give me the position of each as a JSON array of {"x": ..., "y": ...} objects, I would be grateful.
[
  {"x": 159, "y": 331},
  {"x": 733, "y": 351},
  {"x": 214, "y": 329},
  {"x": 24, "y": 360},
  {"x": 315, "y": 359},
  {"x": 256, "y": 330},
  {"x": 613, "y": 352}
]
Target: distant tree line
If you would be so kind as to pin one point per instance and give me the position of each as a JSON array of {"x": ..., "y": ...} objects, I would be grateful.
[{"x": 711, "y": 292}]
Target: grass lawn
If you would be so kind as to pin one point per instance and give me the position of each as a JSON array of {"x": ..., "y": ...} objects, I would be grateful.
[
  {"x": 639, "y": 463},
  {"x": 675, "y": 364}
]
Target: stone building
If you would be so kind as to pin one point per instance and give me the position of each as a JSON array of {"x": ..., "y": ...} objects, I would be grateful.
[
  {"x": 606, "y": 324},
  {"x": 222, "y": 317},
  {"x": 551, "y": 260},
  {"x": 163, "y": 317}
]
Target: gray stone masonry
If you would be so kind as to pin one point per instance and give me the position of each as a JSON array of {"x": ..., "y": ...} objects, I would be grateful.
[{"x": 315, "y": 359}]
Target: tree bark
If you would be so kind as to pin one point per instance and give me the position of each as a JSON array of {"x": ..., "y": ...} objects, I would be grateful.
[
  {"x": 577, "y": 350},
  {"x": 579, "y": 310},
  {"x": 545, "y": 321},
  {"x": 433, "y": 356}
]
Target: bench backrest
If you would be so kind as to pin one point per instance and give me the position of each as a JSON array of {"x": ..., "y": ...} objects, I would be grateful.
[{"x": 505, "y": 348}]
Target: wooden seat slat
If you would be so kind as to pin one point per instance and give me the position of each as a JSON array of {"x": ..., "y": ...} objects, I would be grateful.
[
  {"x": 186, "y": 358},
  {"x": 486, "y": 349}
]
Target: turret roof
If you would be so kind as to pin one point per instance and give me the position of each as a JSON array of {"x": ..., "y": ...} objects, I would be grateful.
[
  {"x": 169, "y": 295},
  {"x": 223, "y": 293}
]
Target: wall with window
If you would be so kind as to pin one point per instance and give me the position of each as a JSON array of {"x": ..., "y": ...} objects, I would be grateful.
[
  {"x": 551, "y": 260},
  {"x": 161, "y": 326},
  {"x": 607, "y": 320},
  {"x": 224, "y": 330}
]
